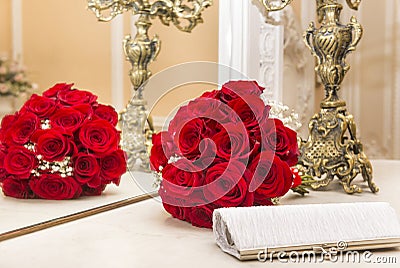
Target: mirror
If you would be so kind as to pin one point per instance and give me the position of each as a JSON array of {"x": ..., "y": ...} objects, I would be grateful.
[{"x": 61, "y": 41}]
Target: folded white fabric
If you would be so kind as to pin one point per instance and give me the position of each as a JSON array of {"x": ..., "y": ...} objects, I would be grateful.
[{"x": 244, "y": 232}]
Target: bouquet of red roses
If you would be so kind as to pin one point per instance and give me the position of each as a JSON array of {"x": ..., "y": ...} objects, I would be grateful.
[
  {"x": 61, "y": 145},
  {"x": 223, "y": 150}
]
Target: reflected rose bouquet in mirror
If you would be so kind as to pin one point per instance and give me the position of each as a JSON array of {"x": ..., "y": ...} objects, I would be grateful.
[
  {"x": 224, "y": 149},
  {"x": 61, "y": 145}
]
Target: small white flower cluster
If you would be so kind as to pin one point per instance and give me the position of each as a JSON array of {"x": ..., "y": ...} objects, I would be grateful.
[
  {"x": 173, "y": 159},
  {"x": 282, "y": 112},
  {"x": 45, "y": 124},
  {"x": 158, "y": 175},
  {"x": 30, "y": 147},
  {"x": 157, "y": 180},
  {"x": 63, "y": 167}
]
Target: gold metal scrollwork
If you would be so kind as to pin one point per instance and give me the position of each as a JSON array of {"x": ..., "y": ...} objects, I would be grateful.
[{"x": 353, "y": 4}]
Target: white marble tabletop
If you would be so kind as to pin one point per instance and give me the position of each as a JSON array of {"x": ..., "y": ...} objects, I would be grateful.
[{"x": 143, "y": 235}]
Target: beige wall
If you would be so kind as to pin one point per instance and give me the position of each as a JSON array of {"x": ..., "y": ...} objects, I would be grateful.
[
  {"x": 5, "y": 27},
  {"x": 63, "y": 41}
]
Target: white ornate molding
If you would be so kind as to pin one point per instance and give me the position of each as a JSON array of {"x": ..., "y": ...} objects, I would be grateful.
[
  {"x": 16, "y": 15},
  {"x": 271, "y": 60}
]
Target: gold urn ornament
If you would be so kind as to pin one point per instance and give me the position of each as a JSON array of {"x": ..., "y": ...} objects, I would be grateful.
[
  {"x": 332, "y": 148},
  {"x": 330, "y": 44}
]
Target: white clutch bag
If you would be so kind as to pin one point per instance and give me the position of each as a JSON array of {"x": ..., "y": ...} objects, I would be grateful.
[{"x": 254, "y": 232}]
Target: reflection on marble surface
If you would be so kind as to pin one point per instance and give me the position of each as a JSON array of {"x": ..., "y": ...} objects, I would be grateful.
[{"x": 17, "y": 213}]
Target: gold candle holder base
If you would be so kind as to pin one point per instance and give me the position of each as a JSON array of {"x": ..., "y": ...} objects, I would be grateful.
[{"x": 334, "y": 150}]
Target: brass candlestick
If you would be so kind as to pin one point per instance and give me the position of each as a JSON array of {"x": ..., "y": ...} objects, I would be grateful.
[
  {"x": 332, "y": 148},
  {"x": 140, "y": 51}
]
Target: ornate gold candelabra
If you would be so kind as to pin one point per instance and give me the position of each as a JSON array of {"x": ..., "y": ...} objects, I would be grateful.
[
  {"x": 332, "y": 148},
  {"x": 140, "y": 51}
]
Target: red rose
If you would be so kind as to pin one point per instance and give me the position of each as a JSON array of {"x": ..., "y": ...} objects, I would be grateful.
[
  {"x": 108, "y": 113},
  {"x": 17, "y": 188},
  {"x": 208, "y": 154},
  {"x": 190, "y": 137},
  {"x": 212, "y": 127},
  {"x": 3, "y": 172},
  {"x": 272, "y": 177},
  {"x": 181, "y": 178},
  {"x": 75, "y": 97},
  {"x": 282, "y": 140},
  {"x": 292, "y": 157},
  {"x": 87, "y": 170},
  {"x": 19, "y": 161},
  {"x": 40, "y": 106},
  {"x": 251, "y": 110},
  {"x": 68, "y": 119},
  {"x": 53, "y": 144},
  {"x": 6, "y": 124},
  {"x": 54, "y": 187},
  {"x": 53, "y": 91},
  {"x": 201, "y": 216},
  {"x": 113, "y": 166},
  {"x": 158, "y": 157},
  {"x": 232, "y": 142},
  {"x": 297, "y": 181},
  {"x": 85, "y": 109},
  {"x": 99, "y": 136},
  {"x": 235, "y": 89},
  {"x": 8, "y": 121},
  {"x": 212, "y": 110},
  {"x": 226, "y": 187},
  {"x": 180, "y": 213},
  {"x": 23, "y": 128},
  {"x": 215, "y": 94},
  {"x": 181, "y": 117},
  {"x": 87, "y": 191}
]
